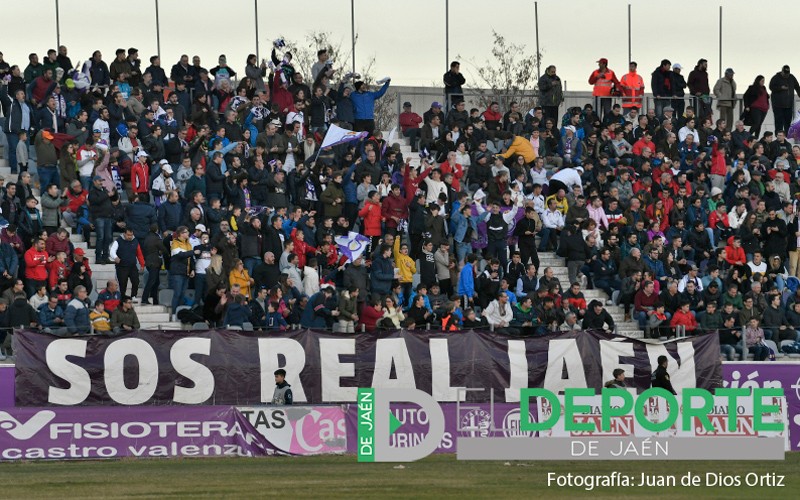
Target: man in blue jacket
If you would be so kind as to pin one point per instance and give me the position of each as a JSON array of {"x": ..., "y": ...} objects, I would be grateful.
[
  {"x": 76, "y": 317},
  {"x": 364, "y": 105},
  {"x": 317, "y": 314},
  {"x": 382, "y": 273},
  {"x": 466, "y": 282},
  {"x": 169, "y": 213},
  {"x": 20, "y": 119}
]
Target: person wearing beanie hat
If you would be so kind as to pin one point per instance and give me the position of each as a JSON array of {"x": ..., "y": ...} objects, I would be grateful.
[
  {"x": 364, "y": 105},
  {"x": 725, "y": 93}
]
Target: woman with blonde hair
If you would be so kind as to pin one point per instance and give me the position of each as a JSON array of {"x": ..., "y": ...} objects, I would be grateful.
[
  {"x": 214, "y": 273},
  {"x": 240, "y": 276}
]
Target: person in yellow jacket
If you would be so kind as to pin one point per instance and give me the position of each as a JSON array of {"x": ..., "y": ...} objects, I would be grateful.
[
  {"x": 240, "y": 276},
  {"x": 520, "y": 146},
  {"x": 99, "y": 318},
  {"x": 406, "y": 266},
  {"x": 632, "y": 87}
]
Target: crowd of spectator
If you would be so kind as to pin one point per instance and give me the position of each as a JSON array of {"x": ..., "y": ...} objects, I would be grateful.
[{"x": 686, "y": 219}]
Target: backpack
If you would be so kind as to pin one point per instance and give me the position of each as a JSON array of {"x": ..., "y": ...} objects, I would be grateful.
[{"x": 793, "y": 348}]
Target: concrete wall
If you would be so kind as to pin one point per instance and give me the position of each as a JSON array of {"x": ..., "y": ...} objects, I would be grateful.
[{"x": 422, "y": 97}]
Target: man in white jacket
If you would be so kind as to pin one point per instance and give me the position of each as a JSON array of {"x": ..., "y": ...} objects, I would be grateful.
[{"x": 498, "y": 313}]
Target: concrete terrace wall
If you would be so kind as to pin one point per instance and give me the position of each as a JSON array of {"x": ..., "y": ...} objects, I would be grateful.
[{"x": 422, "y": 97}]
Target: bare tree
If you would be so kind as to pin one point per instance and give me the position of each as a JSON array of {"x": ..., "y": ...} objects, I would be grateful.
[
  {"x": 304, "y": 55},
  {"x": 509, "y": 75}
]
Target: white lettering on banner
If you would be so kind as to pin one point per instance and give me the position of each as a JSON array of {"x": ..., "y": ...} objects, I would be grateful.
[
  {"x": 681, "y": 370},
  {"x": 138, "y": 430},
  {"x": 147, "y": 367},
  {"x": 181, "y": 358},
  {"x": 440, "y": 372},
  {"x": 610, "y": 354},
  {"x": 518, "y": 363},
  {"x": 295, "y": 356},
  {"x": 80, "y": 383},
  {"x": 390, "y": 352},
  {"x": 333, "y": 369},
  {"x": 563, "y": 353}
]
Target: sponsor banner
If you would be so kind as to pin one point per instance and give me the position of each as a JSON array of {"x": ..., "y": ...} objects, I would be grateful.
[
  {"x": 172, "y": 367},
  {"x": 751, "y": 375},
  {"x": 300, "y": 430},
  {"x": 91, "y": 433},
  {"x": 657, "y": 410},
  {"x": 6, "y": 386},
  {"x": 461, "y": 420}
]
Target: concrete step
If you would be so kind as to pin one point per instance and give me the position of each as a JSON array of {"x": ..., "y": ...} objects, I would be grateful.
[{"x": 144, "y": 312}]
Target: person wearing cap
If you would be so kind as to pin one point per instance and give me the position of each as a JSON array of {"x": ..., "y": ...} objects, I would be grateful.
[
  {"x": 364, "y": 105},
  {"x": 163, "y": 184},
  {"x": 632, "y": 88},
  {"x": 604, "y": 81},
  {"x": 782, "y": 86},
  {"x": 140, "y": 176},
  {"x": 435, "y": 110},
  {"x": 47, "y": 158},
  {"x": 725, "y": 92},
  {"x": 678, "y": 89},
  {"x": 409, "y": 125}
]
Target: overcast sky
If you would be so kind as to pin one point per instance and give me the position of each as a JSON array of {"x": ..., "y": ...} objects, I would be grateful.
[{"x": 408, "y": 36}]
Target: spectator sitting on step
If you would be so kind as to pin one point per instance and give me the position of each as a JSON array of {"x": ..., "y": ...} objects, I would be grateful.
[
  {"x": 124, "y": 318},
  {"x": 99, "y": 318},
  {"x": 110, "y": 296},
  {"x": 76, "y": 316}
]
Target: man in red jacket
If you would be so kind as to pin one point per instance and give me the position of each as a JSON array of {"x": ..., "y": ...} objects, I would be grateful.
[
  {"x": 394, "y": 209},
  {"x": 140, "y": 176},
  {"x": 36, "y": 260},
  {"x": 684, "y": 317},
  {"x": 409, "y": 125}
]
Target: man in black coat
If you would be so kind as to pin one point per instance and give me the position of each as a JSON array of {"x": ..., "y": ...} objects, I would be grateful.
[
  {"x": 453, "y": 80},
  {"x": 267, "y": 273},
  {"x": 153, "y": 249},
  {"x": 597, "y": 318}
]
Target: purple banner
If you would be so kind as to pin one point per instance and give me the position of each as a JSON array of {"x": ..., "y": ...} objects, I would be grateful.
[
  {"x": 7, "y": 386},
  {"x": 782, "y": 375},
  {"x": 146, "y": 432},
  {"x": 474, "y": 420}
]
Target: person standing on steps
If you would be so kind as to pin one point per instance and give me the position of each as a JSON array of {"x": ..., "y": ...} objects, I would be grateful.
[
  {"x": 100, "y": 213},
  {"x": 181, "y": 267},
  {"x": 126, "y": 252},
  {"x": 153, "y": 249}
]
